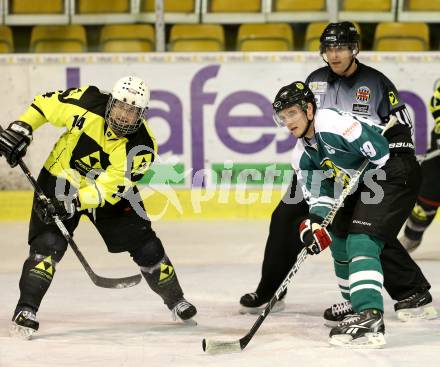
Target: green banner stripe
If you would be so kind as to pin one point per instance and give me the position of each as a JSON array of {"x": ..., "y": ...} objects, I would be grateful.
[{"x": 252, "y": 173}]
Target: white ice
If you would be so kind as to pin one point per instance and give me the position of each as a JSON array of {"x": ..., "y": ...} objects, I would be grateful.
[{"x": 83, "y": 325}]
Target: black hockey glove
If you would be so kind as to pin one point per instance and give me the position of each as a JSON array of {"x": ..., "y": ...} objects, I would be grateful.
[
  {"x": 14, "y": 141},
  {"x": 64, "y": 209},
  {"x": 313, "y": 236}
]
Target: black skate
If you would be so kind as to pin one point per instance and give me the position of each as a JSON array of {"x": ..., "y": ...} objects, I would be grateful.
[
  {"x": 363, "y": 330},
  {"x": 184, "y": 311},
  {"x": 24, "y": 323},
  {"x": 252, "y": 303},
  {"x": 417, "y": 306},
  {"x": 337, "y": 313}
]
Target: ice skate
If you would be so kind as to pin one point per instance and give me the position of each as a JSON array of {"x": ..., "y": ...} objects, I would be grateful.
[
  {"x": 252, "y": 304},
  {"x": 337, "y": 313},
  {"x": 417, "y": 306},
  {"x": 24, "y": 324},
  {"x": 363, "y": 330},
  {"x": 184, "y": 311}
]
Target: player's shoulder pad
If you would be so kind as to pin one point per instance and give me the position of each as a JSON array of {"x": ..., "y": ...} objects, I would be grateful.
[
  {"x": 373, "y": 74},
  {"x": 437, "y": 89},
  {"x": 320, "y": 74},
  {"x": 88, "y": 97},
  {"x": 336, "y": 122},
  {"x": 143, "y": 140}
]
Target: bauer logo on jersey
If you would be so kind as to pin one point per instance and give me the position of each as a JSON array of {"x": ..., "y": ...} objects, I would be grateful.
[
  {"x": 393, "y": 99},
  {"x": 318, "y": 87},
  {"x": 363, "y": 94}
]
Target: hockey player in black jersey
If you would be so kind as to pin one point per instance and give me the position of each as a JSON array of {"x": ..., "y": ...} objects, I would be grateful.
[
  {"x": 92, "y": 170},
  {"x": 351, "y": 86}
]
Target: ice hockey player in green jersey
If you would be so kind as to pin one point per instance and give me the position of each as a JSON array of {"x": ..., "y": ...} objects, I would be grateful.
[{"x": 331, "y": 146}]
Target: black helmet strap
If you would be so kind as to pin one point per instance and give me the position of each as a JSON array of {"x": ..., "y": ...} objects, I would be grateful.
[{"x": 309, "y": 122}]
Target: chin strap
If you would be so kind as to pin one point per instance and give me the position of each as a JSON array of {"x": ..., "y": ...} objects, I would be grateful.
[
  {"x": 309, "y": 122},
  {"x": 351, "y": 62}
]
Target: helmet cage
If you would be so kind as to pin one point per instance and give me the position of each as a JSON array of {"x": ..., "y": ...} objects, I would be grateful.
[
  {"x": 125, "y": 119},
  {"x": 128, "y": 101}
]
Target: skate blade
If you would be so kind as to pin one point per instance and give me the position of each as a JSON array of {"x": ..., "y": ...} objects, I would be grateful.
[
  {"x": 21, "y": 332},
  {"x": 189, "y": 322},
  {"x": 278, "y": 307},
  {"x": 426, "y": 312},
  {"x": 368, "y": 341}
]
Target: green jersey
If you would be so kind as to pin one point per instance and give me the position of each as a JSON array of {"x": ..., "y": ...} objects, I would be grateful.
[{"x": 326, "y": 163}]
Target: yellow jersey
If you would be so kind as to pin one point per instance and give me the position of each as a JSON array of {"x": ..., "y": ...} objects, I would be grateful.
[
  {"x": 101, "y": 165},
  {"x": 434, "y": 107}
]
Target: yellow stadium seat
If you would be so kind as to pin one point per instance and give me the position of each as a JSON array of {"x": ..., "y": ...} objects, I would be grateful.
[
  {"x": 36, "y": 7},
  {"x": 265, "y": 37},
  {"x": 64, "y": 38},
  {"x": 235, "y": 6},
  {"x": 313, "y": 34},
  {"x": 127, "y": 38},
  {"x": 102, "y": 6},
  {"x": 6, "y": 42},
  {"x": 197, "y": 37},
  {"x": 423, "y": 5},
  {"x": 299, "y": 5},
  {"x": 171, "y": 6},
  {"x": 401, "y": 37},
  {"x": 370, "y": 5}
]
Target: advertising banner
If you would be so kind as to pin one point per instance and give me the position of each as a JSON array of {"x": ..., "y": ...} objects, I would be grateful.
[{"x": 211, "y": 113}]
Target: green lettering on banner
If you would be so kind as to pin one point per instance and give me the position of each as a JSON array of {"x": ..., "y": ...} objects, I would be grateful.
[{"x": 253, "y": 173}]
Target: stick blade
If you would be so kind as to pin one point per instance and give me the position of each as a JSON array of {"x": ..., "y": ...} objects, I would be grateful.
[
  {"x": 116, "y": 283},
  {"x": 221, "y": 347}
]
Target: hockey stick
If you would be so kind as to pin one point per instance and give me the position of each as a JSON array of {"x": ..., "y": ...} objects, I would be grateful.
[
  {"x": 426, "y": 157},
  {"x": 98, "y": 280},
  {"x": 218, "y": 346}
]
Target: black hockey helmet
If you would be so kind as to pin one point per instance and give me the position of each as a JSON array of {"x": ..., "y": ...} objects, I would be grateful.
[
  {"x": 296, "y": 93},
  {"x": 339, "y": 34}
]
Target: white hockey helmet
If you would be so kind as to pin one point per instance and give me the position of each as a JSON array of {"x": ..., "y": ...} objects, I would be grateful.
[{"x": 128, "y": 101}]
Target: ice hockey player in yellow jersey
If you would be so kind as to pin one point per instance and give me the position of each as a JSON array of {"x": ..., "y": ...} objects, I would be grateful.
[{"x": 92, "y": 170}]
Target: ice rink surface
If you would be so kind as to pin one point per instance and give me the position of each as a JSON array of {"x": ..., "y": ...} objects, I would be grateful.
[{"x": 83, "y": 325}]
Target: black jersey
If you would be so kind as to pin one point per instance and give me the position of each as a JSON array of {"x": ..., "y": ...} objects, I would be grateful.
[{"x": 367, "y": 92}]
